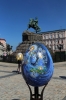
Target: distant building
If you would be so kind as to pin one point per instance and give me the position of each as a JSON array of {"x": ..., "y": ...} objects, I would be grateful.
[
  {"x": 3, "y": 41},
  {"x": 54, "y": 38},
  {"x": 2, "y": 46}
]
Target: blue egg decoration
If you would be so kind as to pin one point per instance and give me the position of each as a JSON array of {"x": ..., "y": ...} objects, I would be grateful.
[{"x": 37, "y": 68}]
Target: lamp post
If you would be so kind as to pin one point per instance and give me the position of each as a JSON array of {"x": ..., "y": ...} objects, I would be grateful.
[{"x": 60, "y": 47}]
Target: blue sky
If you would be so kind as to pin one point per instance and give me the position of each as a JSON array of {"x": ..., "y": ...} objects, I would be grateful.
[{"x": 15, "y": 15}]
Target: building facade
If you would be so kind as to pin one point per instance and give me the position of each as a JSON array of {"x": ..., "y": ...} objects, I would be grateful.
[
  {"x": 2, "y": 46},
  {"x": 53, "y": 39},
  {"x": 3, "y": 41}
]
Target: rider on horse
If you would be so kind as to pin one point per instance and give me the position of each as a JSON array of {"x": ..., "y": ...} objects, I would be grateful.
[{"x": 33, "y": 23}]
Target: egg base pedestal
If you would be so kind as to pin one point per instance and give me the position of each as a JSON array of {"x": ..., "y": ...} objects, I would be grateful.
[{"x": 36, "y": 95}]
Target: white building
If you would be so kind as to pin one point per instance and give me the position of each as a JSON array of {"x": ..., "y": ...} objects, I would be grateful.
[{"x": 55, "y": 38}]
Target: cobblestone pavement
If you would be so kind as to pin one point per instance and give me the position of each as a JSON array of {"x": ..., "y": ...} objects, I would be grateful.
[{"x": 13, "y": 86}]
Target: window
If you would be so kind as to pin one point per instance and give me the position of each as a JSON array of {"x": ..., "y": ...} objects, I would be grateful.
[
  {"x": 53, "y": 41},
  {"x": 61, "y": 46},
  {"x": 49, "y": 46},
  {"x": 62, "y": 41},
  {"x": 54, "y": 35},
  {"x": 64, "y": 46},
  {"x": 62, "y": 35},
  {"x": 43, "y": 37},
  {"x": 56, "y": 41},
  {"x": 46, "y": 42},
  {"x": 58, "y": 36},
  {"x": 56, "y": 47},
  {"x": 46, "y": 36},
  {"x": 53, "y": 47},
  {"x": 49, "y": 42},
  {"x": 50, "y": 36}
]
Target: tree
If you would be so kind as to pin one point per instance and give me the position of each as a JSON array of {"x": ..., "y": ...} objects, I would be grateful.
[{"x": 8, "y": 47}]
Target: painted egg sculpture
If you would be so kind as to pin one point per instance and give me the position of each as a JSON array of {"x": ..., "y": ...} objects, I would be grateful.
[
  {"x": 37, "y": 68},
  {"x": 19, "y": 56}
]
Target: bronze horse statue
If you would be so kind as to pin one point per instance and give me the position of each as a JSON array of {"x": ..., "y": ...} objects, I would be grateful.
[{"x": 33, "y": 23}]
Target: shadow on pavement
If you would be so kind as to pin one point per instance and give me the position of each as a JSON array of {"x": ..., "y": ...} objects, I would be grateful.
[
  {"x": 60, "y": 77},
  {"x": 64, "y": 98},
  {"x": 15, "y": 99},
  {"x": 5, "y": 71},
  {"x": 64, "y": 77},
  {"x": 15, "y": 71},
  {"x": 9, "y": 71},
  {"x": 9, "y": 75}
]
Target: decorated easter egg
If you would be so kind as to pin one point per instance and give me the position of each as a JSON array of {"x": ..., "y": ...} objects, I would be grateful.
[{"x": 37, "y": 68}]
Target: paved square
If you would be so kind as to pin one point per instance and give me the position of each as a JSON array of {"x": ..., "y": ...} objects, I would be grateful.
[{"x": 13, "y": 86}]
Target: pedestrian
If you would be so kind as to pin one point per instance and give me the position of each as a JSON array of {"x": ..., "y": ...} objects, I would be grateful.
[
  {"x": 19, "y": 66},
  {"x": 19, "y": 60}
]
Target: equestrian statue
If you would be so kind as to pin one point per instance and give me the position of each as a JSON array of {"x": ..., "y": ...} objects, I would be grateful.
[{"x": 33, "y": 23}]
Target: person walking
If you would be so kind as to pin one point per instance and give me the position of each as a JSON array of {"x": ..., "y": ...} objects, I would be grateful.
[
  {"x": 19, "y": 66},
  {"x": 19, "y": 60}
]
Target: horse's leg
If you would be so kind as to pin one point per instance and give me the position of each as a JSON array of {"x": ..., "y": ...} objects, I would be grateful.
[{"x": 28, "y": 27}]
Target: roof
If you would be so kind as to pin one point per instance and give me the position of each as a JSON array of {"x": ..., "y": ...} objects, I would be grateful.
[
  {"x": 54, "y": 31},
  {"x": 2, "y": 39}
]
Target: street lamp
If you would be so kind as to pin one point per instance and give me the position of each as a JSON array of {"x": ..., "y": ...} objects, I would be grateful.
[{"x": 60, "y": 46}]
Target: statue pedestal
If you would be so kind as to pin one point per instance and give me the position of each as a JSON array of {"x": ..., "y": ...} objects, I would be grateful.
[{"x": 36, "y": 95}]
